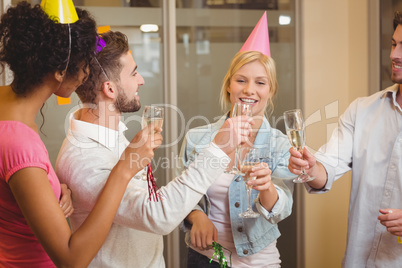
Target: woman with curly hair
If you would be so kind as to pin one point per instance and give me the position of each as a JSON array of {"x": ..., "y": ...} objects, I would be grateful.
[{"x": 48, "y": 57}]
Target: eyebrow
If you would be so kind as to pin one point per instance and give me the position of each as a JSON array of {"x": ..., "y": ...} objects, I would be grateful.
[
  {"x": 244, "y": 76},
  {"x": 393, "y": 40},
  {"x": 135, "y": 69}
]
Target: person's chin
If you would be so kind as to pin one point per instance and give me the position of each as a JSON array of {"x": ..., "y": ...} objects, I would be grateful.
[
  {"x": 64, "y": 94},
  {"x": 397, "y": 79},
  {"x": 137, "y": 106}
]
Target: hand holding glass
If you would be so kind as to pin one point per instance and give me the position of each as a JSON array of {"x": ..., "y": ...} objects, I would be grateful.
[
  {"x": 151, "y": 114},
  {"x": 239, "y": 109},
  {"x": 248, "y": 158},
  {"x": 295, "y": 130}
]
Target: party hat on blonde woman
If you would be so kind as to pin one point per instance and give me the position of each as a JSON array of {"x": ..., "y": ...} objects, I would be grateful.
[
  {"x": 63, "y": 10},
  {"x": 259, "y": 38}
]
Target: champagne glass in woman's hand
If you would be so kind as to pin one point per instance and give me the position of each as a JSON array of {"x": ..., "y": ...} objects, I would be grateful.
[
  {"x": 248, "y": 158},
  {"x": 295, "y": 129},
  {"x": 239, "y": 109}
]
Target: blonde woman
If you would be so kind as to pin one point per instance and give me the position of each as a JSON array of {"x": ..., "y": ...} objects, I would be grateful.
[{"x": 251, "y": 78}]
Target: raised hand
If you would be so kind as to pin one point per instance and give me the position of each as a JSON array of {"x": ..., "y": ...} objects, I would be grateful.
[
  {"x": 311, "y": 166},
  {"x": 264, "y": 184},
  {"x": 235, "y": 131},
  {"x": 140, "y": 151},
  {"x": 263, "y": 177},
  {"x": 297, "y": 161}
]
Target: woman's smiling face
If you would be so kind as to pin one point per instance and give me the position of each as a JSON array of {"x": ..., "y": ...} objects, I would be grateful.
[{"x": 250, "y": 84}]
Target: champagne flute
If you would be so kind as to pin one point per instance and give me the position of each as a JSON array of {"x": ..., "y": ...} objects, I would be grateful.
[
  {"x": 248, "y": 158},
  {"x": 295, "y": 129},
  {"x": 151, "y": 114},
  {"x": 239, "y": 109}
]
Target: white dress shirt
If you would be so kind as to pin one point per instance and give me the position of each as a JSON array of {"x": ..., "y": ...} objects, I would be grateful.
[
  {"x": 85, "y": 160},
  {"x": 368, "y": 141}
]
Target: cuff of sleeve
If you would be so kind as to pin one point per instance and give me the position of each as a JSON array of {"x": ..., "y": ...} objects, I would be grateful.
[
  {"x": 267, "y": 215},
  {"x": 276, "y": 210}
]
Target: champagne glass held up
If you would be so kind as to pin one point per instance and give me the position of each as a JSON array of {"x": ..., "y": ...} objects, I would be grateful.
[
  {"x": 151, "y": 114},
  {"x": 248, "y": 158},
  {"x": 239, "y": 109},
  {"x": 295, "y": 129}
]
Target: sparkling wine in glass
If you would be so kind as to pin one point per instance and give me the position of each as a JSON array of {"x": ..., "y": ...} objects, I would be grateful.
[
  {"x": 295, "y": 130},
  {"x": 151, "y": 114},
  {"x": 239, "y": 109},
  {"x": 248, "y": 158}
]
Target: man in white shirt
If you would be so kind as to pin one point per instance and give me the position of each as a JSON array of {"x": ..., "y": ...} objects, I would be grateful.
[
  {"x": 93, "y": 146},
  {"x": 368, "y": 141}
]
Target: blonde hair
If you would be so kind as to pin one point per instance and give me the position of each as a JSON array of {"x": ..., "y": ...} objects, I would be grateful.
[{"x": 241, "y": 59}]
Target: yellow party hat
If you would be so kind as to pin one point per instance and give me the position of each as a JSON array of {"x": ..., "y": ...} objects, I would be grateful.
[{"x": 64, "y": 10}]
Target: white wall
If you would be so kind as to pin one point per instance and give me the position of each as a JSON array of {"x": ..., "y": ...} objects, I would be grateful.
[{"x": 335, "y": 72}]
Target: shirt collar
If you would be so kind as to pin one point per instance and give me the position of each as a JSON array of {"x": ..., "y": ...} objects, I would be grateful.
[
  {"x": 103, "y": 135},
  {"x": 391, "y": 92}
]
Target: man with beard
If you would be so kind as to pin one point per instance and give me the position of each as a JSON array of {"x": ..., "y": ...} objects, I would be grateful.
[
  {"x": 368, "y": 141},
  {"x": 93, "y": 146}
]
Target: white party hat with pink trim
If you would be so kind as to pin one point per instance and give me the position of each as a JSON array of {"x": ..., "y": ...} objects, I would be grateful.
[{"x": 258, "y": 40}]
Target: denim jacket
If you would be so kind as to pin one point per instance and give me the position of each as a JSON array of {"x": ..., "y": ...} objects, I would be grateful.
[{"x": 253, "y": 234}]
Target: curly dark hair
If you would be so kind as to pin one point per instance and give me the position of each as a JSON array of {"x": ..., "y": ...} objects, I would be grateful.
[
  {"x": 397, "y": 19},
  {"x": 109, "y": 58},
  {"x": 34, "y": 45}
]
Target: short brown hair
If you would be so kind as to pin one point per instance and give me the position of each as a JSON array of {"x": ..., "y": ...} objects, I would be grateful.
[
  {"x": 109, "y": 59},
  {"x": 397, "y": 19}
]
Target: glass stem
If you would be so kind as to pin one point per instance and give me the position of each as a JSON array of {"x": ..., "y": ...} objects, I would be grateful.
[
  {"x": 249, "y": 198},
  {"x": 303, "y": 172},
  {"x": 236, "y": 158}
]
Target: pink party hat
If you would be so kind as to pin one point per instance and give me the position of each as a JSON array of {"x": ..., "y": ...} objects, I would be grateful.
[{"x": 259, "y": 38}]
